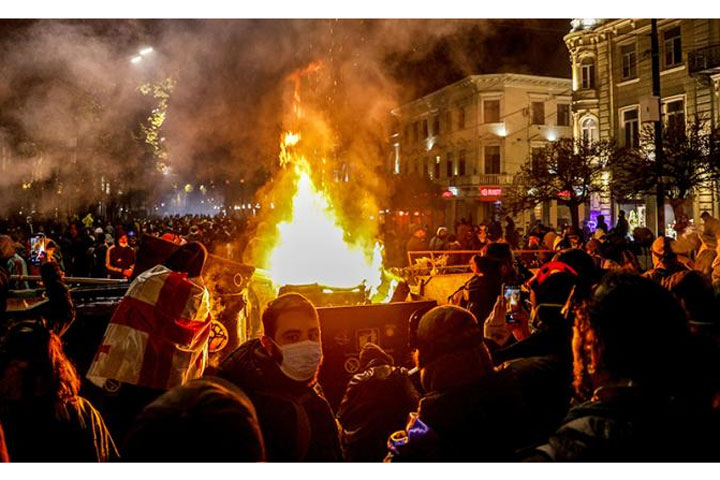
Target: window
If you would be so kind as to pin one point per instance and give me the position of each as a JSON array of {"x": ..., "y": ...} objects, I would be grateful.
[
  {"x": 629, "y": 61},
  {"x": 630, "y": 127},
  {"x": 425, "y": 128},
  {"x": 538, "y": 113},
  {"x": 425, "y": 171},
  {"x": 436, "y": 168},
  {"x": 491, "y": 111},
  {"x": 416, "y": 131},
  {"x": 672, "y": 42},
  {"x": 675, "y": 114},
  {"x": 563, "y": 114},
  {"x": 436, "y": 125},
  {"x": 589, "y": 130},
  {"x": 461, "y": 118},
  {"x": 492, "y": 160},
  {"x": 587, "y": 73},
  {"x": 449, "y": 166},
  {"x": 536, "y": 156},
  {"x": 406, "y": 133},
  {"x": 461, "y": 163},
  {"x": 448, "y": 121}
]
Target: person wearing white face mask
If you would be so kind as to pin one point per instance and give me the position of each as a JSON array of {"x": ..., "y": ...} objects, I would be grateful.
[{"x": 278, "y": 372}]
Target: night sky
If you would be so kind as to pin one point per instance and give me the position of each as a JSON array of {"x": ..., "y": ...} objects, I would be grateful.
[{"x": 67, "y": 78}]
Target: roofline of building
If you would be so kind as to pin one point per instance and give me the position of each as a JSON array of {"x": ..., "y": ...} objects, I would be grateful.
[{"x": 505, "y": 79}]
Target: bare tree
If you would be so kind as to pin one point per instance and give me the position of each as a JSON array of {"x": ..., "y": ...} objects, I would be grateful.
[
  {"x": 568, "y": 170},
  {"x": 690, "y": 163}
]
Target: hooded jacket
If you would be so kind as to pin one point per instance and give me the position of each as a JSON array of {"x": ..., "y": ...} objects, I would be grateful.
[
  {"x": 295, "y": 419},
  {"x": 376, "y": 403}
]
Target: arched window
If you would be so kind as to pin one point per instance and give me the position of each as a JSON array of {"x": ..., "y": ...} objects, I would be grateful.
[{"x": 589, "y": 130}]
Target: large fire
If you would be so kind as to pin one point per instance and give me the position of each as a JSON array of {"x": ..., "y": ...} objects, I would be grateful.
[{"x": 312, "y": 247}]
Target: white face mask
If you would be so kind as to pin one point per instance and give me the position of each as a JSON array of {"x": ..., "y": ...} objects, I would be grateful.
[{"x": 301, "y": 359}]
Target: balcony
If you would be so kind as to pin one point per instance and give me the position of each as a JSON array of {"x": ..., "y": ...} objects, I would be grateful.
[
  {"x": 704, "y": 60},
  {"x": 498, "y": 179}
]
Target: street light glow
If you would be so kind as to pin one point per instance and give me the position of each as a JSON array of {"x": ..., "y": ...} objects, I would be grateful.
[
  {"x": 136, "y": 59},
  {"x": 146, "y": 51}
]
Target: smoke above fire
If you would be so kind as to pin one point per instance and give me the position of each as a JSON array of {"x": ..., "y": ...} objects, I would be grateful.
[{"x": 71, "y": 108}]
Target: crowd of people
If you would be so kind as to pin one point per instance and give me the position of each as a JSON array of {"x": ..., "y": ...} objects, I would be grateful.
[{"x": 610, "y": 352}]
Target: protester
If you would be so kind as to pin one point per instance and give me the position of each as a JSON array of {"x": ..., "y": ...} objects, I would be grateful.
[
  {"x": 206, "y": 420},
  {"x": 120, "y": 259},
  {"x": 13, "y": 262},
  {"x": 463, "y": 416},
  {"x": 44, "y": 418},
  {"x": 665, "y": 260},
  {"x": 376, "y": 403},
  {"x": 439, "y": 240},
  {"x": 278, "y": 372},
  {"x": 641, "y": 406}
]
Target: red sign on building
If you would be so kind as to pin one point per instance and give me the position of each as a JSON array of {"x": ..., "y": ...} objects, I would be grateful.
[{"x": 490, "y": 194}]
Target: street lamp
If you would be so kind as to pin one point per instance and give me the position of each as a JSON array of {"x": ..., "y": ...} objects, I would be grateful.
[{"x": 142, "y": 53}]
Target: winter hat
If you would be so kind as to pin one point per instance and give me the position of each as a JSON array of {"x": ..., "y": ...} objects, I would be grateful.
[
  {"x": 440, "y": 231},
  {"x": 109, "y": 239},
  {"x": 373, "y": 353},
  {"x": 446, "y": 329},
  {"x": 98, "y": 231}
]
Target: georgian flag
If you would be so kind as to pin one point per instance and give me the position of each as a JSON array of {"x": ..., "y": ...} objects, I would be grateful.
[{"x": 158, "y": 335}]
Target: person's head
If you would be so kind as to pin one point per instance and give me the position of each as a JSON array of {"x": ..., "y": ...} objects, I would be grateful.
[
  {"x": 662, "y": 251},
  {"x": 441, "y": 232},
  {"x": 600, "y": 218},
  {"x": 705, "y": 215},
  {"x": 621, "y": 214},
  {"x": 291, "y": 336},
  {"x": 206, "y": 420},
  {"x": 550, "y": 289},
  {"x": 33, "y": 366},
  {"x": 419, "y": 232},
  {"x": 502, "y": 254},
  {"x": 631, "y": 330},
  {"x": 123, "y": 241},
  {"x": 7, "y": 247},
  {"x": 372, "y": 355},
  {"x": 583, "y": 265},
  {"x": 450, "y": 349},
  {"x": 697, "y": 296},
  {"x": 189, "y": 258}
]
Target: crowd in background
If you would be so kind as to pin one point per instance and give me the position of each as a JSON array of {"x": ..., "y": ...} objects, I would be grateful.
[{"x": 611, "y": 353}]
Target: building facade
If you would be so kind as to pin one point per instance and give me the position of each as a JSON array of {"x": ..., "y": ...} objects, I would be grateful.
[
  {"x": 612, "y": 88},
  {"x": 472, "y": 136}
]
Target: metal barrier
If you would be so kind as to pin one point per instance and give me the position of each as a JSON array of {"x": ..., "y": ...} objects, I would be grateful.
[
  {"x": 435, "y": 257},
  {"x": 78, "y": 280}
]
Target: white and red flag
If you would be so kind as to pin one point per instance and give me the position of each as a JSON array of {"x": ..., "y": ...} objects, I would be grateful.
[{"x": 158, "y": 335}]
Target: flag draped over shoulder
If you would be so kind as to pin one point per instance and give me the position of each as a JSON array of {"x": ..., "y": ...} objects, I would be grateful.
[{"x": 158, "y": 335}]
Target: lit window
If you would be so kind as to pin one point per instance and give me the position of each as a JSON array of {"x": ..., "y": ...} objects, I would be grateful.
[
  {"x": 589, "y": 130},
  {"x": 587, "y": 70}
]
